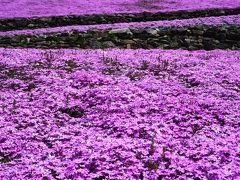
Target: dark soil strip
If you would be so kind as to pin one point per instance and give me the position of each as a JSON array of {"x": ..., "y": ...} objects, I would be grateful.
[
  {"x": 191, "y": 38},
  {"x": 44, "y": 22}
]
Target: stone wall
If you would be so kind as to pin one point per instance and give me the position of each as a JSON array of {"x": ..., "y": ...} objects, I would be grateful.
[
  {"x": 44, "y": 22},
  {"x": 191, "y": 38}
]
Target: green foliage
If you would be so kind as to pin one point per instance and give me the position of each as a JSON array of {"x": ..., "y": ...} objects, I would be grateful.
[
  {"x": 152, "y": 165},
  {"x": 12, "y": 73},
  {"x": 138, "y": 156},
  {"x": 30, "y": 87},
  {"x": 164, "y": 149},
  {"x": 70, "y": 65},
  {"x": 110, "y": 70},
  {"x": 152, "y": 147},
  {"x": 38, "y": 65},
  {"x": 5, "y": 160},
  {"x": 144, "y": 65},
  {"x": 49, "y": 57},
  {"x": 3, "y": 108},
  {"x": 110, "y": 61},
  {"x": 14, "y": 108},
  {"x": 134, "y": 75},
  {"x": 67, "y": 99}
]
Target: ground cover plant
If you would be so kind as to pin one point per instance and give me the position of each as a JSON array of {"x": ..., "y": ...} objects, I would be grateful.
[
  {"x": 27, "y": 8},
  {"x": 119, "y": 114}
]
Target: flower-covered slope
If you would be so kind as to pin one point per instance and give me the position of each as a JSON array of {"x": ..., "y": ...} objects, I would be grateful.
[
  {"x": 29, "y": 8},
  {"x": 119, "y": 114},
  {"x": 210, "y": 21}
]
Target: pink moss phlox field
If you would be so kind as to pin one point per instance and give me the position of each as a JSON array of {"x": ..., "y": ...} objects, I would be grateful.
[
  {"x": 119, "y": 114},
  {"x": 40, "y": 8},
  {"x": 211, "y": 21}
]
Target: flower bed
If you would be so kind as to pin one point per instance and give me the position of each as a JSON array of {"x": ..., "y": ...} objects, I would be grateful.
[
  {"x": 27, "y": 8},
  {"x": 57, "y": 21},
  {"x": 210, "y": 21},
  {"x": 119, "y": 114}
]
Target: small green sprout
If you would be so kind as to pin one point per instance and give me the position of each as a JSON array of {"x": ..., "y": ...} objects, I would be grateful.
[
  {"x": 12, "y": 73},
  {"x": 134, "y": 75},
  {"x": 151, "y": 165},
  {"x": 3, "y": 108},
  {"x": 165, "y": 65},
  {"x": 67, "y": 99},
  {"x": 164, "y": 149},
  {"x": 14, "y": 106},
  {"x": 5, "y": 160},
  {"x": 110, "y": 61},
  {"x": 138, "y": 155},
  {"x": 152, "y": 147},
  {"x": 70, "y": 65},
  {"x": 144, "y": 65},
  {"x": 49, "y": 57}
]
